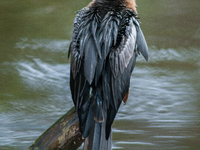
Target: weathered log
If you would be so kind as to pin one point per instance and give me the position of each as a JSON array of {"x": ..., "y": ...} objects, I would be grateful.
[{"x": 64, "y": 134}]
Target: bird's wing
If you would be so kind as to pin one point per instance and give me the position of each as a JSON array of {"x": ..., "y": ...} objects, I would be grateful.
[
  {"x": 117, "y": 73},
  {"x": 85, "y": 55},
  {"x": 79, "y": 85}
]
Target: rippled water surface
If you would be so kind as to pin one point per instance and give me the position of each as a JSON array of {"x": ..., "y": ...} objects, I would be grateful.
[{"x": 163, "y": 109}]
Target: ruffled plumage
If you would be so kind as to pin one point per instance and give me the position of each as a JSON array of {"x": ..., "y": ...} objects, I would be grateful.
[{"x": 103, "y": 51}]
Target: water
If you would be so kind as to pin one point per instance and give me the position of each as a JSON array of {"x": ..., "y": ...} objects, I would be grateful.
[{"x": 163, "y": 109}]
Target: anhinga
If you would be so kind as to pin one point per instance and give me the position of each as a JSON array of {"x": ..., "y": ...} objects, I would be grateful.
[{"x": 106, "y": 42}]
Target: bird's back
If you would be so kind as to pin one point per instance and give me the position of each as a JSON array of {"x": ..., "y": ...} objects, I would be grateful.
[{"x": 106, "y": 41}]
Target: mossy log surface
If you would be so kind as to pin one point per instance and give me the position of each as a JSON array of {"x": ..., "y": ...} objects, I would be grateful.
[{"x": 64, "y": 134}]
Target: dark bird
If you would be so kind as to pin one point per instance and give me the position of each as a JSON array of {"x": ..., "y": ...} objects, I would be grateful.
[{"x": 106, "y": 42}]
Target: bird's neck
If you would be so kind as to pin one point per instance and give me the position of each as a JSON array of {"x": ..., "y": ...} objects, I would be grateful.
[{"x": 116, "y": 3}]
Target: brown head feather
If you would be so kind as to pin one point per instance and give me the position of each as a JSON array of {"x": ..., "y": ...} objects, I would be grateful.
[
  {"x": 131, "y": 4},
  {"x": 128, "y": 3}
]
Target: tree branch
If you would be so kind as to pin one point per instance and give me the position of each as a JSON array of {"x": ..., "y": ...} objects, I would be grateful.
[{"x": 64, "y": 134}]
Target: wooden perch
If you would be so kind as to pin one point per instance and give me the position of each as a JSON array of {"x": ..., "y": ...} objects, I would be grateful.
[{"x": 64, "y": 134}]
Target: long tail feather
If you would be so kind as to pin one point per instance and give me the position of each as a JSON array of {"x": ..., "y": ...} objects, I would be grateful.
[{"x": 96, "y": 139}]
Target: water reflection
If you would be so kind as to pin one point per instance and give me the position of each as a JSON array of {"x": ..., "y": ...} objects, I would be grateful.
[{"x": 163, "y": 109}]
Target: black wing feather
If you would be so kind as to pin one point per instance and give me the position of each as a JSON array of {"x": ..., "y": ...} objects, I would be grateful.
[
  {"x": 141, "y": 44},
  {"x": 90, "y": 60},
  {"x": 94, "y": 29}
]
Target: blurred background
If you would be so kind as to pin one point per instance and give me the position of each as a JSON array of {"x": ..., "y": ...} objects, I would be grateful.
[{"x": 163, "y": 110}]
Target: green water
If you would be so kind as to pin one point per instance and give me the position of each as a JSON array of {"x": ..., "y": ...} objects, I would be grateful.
[{"x": 163, "y": 110}]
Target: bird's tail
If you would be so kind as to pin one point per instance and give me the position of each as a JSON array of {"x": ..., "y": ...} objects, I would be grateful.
[
  {"x": 97, "y": 138},
  {"x": 97, "y": 133}
]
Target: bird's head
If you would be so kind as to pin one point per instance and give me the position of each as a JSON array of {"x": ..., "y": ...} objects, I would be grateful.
[{"x": 128, "y": 3}]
